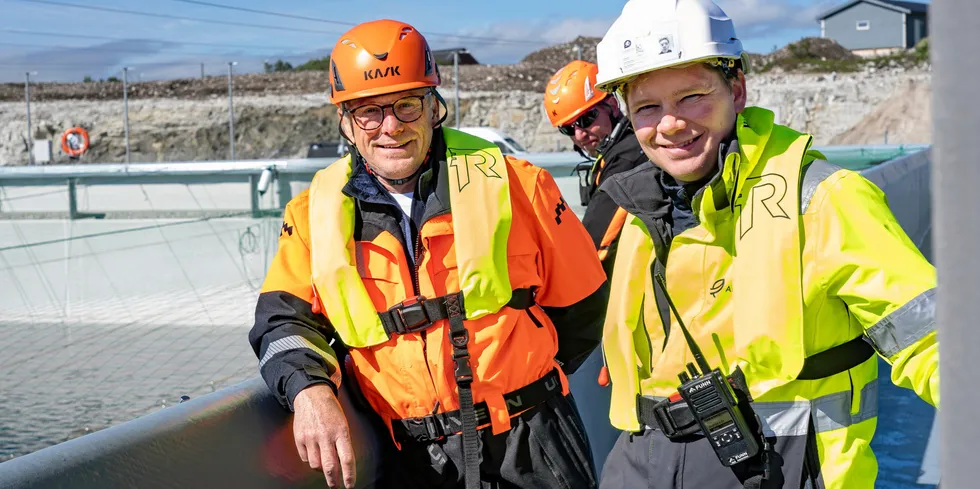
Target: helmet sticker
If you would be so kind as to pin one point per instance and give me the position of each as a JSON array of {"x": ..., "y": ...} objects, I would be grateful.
[
  {"x": 657, "y": 45},
  {"x": 588, "y": 89},
  {"x": 557, "y": 76},
  {"x": 666, "y": 44}
]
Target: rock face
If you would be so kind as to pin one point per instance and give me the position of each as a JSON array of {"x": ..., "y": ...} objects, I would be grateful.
[
  {"x": 904, "y": 117},
  {"x": 175, "y": 130},
  {"x": 829, "y": 105}
]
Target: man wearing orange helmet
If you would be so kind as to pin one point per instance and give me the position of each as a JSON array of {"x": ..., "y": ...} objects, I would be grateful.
[
  {"x": 462, "y": 287},
  {"x": 598, "y": 129}
]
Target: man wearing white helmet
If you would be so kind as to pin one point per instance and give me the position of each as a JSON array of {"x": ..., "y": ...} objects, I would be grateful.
[{"x": 790, "y": 274}]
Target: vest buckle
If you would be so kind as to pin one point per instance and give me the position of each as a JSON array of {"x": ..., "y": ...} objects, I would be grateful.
[
  {"x": 423, "y": 429},
  {"x": 411, "y": 314}
]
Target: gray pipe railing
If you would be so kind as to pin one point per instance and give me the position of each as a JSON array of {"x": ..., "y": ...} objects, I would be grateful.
[{"x": 238, "y": 437}]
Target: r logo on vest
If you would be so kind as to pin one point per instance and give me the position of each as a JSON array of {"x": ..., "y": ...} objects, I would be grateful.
[
  {"x": 770, "y": 192},
  {"x": 481, "y": 159}
]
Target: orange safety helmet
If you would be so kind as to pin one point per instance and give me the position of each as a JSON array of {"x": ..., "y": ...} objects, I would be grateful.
[
  {"x": 571, "y": 91},
  {"x": 378, "y": 57}
]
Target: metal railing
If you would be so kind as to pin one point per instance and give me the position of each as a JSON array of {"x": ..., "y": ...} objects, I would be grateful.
[{"x": 261, "y": 175}]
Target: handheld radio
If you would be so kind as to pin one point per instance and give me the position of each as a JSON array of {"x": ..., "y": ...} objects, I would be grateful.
[{"x": 712, "y": 402}]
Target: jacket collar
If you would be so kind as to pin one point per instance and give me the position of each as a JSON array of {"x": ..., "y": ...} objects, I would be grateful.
[{"x": 753, "y": 127}]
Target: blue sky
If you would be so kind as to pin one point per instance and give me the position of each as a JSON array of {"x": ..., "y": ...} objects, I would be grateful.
[{"x": 160, "y": 47}]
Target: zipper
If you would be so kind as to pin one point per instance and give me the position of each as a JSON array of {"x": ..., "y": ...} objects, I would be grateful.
[
  {"x": 417, "y": 262},
  {"x": 419, "y": 252}
]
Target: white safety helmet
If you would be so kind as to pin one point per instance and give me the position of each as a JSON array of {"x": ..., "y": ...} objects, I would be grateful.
[{"x": 654, "y": 34}]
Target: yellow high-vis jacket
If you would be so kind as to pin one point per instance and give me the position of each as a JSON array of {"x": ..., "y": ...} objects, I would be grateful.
[{"x": 793, "y": 263}]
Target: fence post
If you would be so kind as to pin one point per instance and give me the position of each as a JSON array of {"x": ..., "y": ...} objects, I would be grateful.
[
  {"x": 30, "y": 137},
  {"x": 231, "y": 113},
  {"x": 72, "y": 200},
  {"x": 126, "y": 109}
]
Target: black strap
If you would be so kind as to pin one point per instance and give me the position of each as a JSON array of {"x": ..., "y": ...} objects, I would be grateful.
[
  {"x": 838, "y": 359},
  {"x": 460, "y": 338},
  {"x": 675, "y": 419},
  {"x": 418, "y": 313},
  {"x": 435, "y": 426}
]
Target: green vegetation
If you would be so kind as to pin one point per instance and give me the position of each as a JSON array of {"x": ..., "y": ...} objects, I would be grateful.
[
  {"x": 319, "y": 64},
  {"x": 280, "y": 66},
  {"x": 816, "y": 55}
]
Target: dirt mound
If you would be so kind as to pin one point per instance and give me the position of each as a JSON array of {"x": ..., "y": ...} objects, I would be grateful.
[
  {"x": 807, "y": 54},
  {"x": 558, "y": 55},
  {"x": 529, "y": 75},
  {"x": 903, "y": 118}
]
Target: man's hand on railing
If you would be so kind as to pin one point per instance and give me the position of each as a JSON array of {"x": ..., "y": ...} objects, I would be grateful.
[{"x": 322, "y": 434}]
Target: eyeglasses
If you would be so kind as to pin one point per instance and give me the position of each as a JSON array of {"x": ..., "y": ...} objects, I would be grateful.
[
  {"x": 584, "y": 121},
  {"x": 406, "y": 109}
]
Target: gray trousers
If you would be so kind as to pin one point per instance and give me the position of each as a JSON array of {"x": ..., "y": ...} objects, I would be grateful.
[{"x": 649, "y": 460}]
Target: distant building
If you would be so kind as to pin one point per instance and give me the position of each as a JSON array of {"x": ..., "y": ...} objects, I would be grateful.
[
  {"x": 445, "y": 56},
  {"x": 876, "y": 27}
]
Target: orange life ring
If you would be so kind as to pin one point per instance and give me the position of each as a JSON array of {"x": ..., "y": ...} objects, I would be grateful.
[{"x": 74, "y": 142}]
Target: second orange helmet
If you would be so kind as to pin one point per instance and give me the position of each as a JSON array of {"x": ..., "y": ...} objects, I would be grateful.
[{"x": 571, "y": 91}]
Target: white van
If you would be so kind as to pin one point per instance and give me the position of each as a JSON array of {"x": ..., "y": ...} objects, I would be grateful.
[{"x": 507, "y": 144}]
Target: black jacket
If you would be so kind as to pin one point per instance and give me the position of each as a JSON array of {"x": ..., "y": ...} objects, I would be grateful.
[{"x": 618, "y": 154}]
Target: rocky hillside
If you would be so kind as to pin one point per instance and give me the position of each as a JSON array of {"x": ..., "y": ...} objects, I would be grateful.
[
  {"x": 278, "y": 115},
  {"x": 530, "y": 74}
]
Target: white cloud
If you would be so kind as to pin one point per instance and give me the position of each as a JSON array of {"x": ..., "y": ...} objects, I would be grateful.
[
  {"x": 753, "y": 19},
  {"x": 532, "y": 35},
  {"x": 57, "y": 64}
]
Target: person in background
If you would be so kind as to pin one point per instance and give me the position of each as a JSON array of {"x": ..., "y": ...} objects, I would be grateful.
[{"x": 596, "y": 126}]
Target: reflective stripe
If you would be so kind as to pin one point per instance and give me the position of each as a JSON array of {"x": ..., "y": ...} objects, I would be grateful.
[
  {"x": 834, "y": 412},
  {"x": 297, "y": 342},
  {"x": 906, "y": 325},
  {"x": 783, "y": 418},
  {"x": 830, "y": 412},
  {"x": 813, "y": 175}
]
